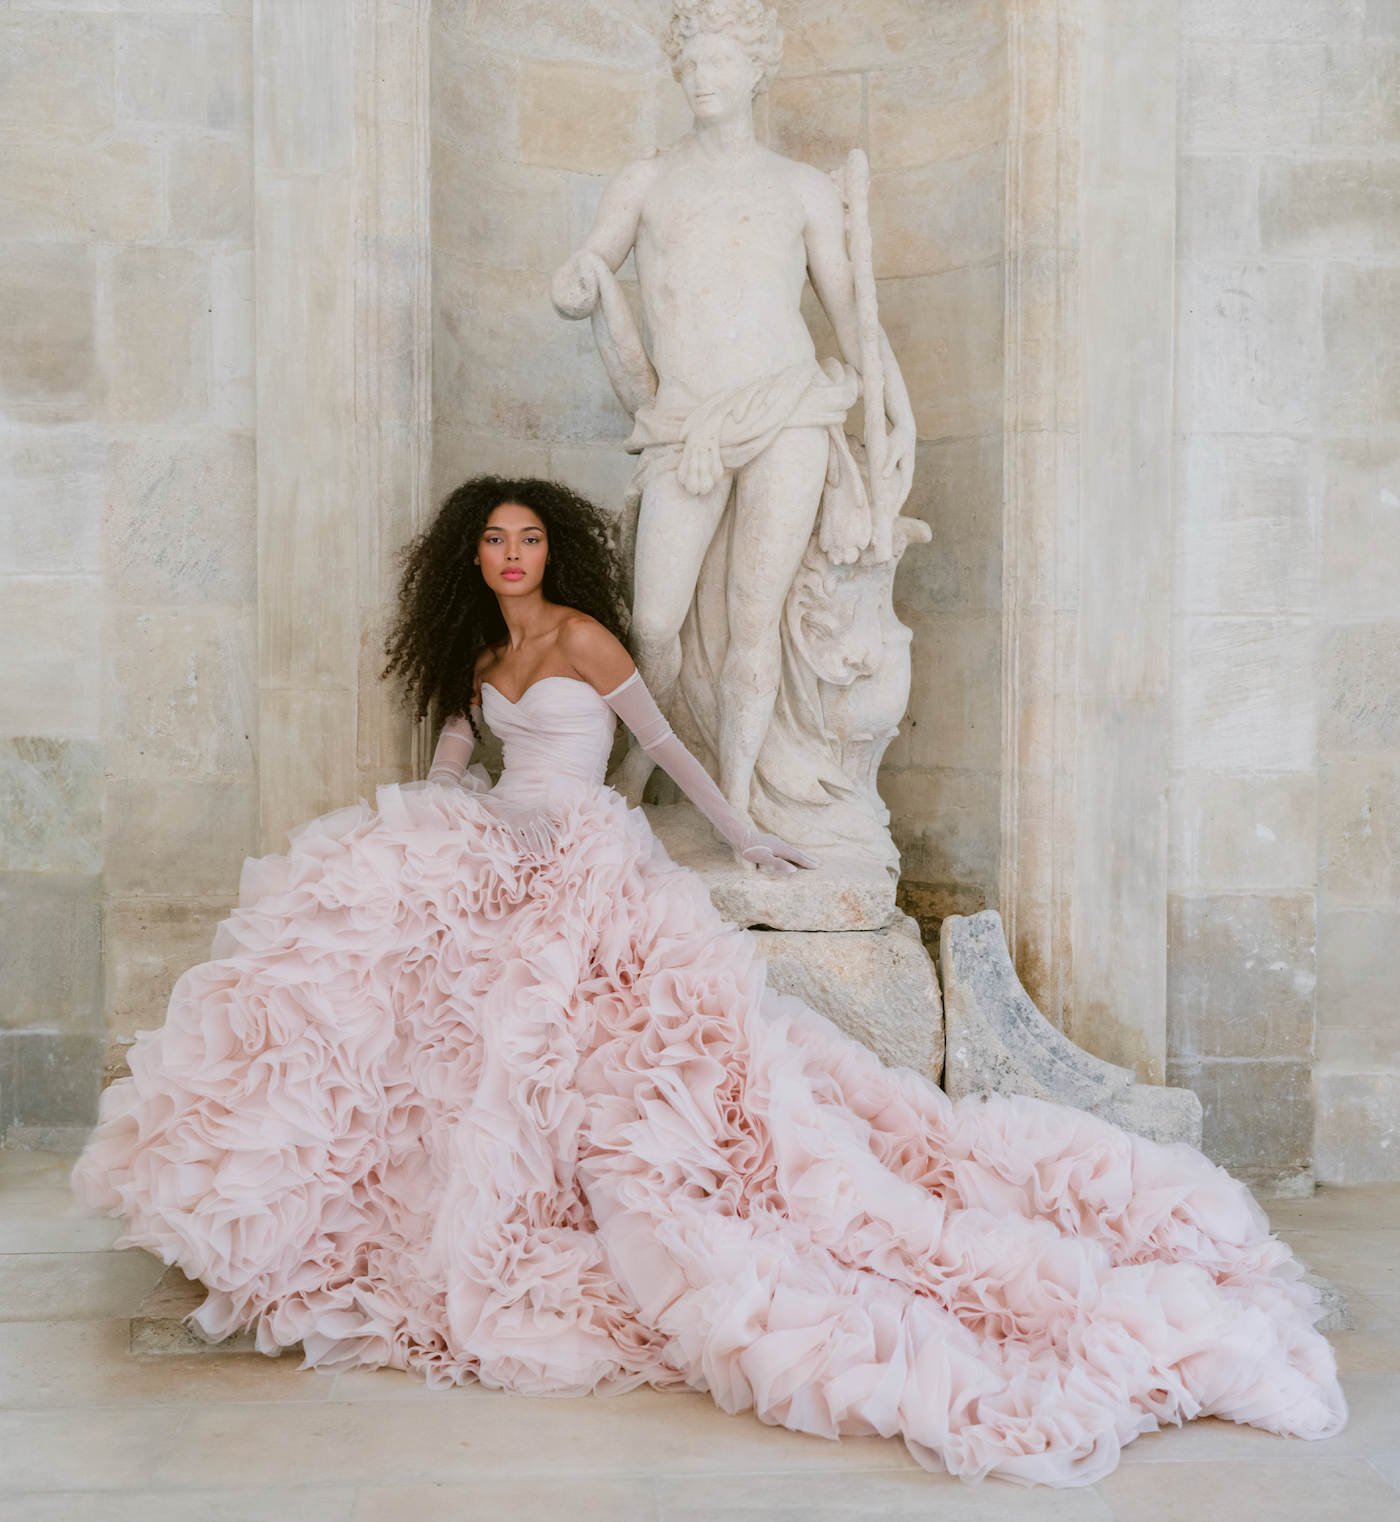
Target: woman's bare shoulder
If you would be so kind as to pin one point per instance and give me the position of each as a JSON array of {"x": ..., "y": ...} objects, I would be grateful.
[{"x": 598, "y": 656}]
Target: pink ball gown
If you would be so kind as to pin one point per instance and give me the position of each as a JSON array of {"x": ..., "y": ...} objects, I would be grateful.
[{"x": 512, "y": 1104}]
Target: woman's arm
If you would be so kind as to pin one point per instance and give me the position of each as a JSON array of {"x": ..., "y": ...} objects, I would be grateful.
[{"x": 454, "y": 753}]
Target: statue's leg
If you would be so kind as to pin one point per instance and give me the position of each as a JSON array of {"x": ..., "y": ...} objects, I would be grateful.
[
  {"x": 776, "y": 505},
  {"x": 674, "y": 530}
]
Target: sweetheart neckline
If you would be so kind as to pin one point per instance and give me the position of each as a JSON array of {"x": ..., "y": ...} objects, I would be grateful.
[{"x": 516, "y": 702}]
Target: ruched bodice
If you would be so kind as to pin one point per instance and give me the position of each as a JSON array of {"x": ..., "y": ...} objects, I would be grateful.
[{"x": 560, "y": 731}]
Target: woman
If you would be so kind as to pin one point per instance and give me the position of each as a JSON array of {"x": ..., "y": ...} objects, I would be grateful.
[{"x": 481, "y": 1085}]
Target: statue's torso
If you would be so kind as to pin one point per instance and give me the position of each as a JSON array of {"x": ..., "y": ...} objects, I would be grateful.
[{"x": 722, "y": 259}]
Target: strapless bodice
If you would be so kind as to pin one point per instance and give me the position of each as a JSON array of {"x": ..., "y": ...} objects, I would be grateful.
[{"x": 561, "y": 730}]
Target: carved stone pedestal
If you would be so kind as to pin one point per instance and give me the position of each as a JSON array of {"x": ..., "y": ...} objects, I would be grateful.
[{"x": 832, "y": 937}]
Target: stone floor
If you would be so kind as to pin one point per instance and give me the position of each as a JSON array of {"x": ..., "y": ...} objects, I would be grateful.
[{"x": 92, "y": 1433}]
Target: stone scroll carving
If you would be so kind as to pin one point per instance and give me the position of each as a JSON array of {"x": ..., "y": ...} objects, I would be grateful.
[{"x": 764, "y": 538}]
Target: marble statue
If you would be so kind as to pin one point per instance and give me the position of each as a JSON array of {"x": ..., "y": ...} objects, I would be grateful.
[{"x": 763, "y": 539}]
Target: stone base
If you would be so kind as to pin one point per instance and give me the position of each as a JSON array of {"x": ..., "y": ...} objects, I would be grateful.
[
  {"x": 161, "y": 1326},
  {"x": 45, "y": 1138},
  {"x": 876, "y": 986},
  {"x": 841, "y": 894},
  {"x": 999, "y": 1041}
]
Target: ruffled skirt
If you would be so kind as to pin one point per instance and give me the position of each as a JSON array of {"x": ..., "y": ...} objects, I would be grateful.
[{"x": 443, "y": 1102}]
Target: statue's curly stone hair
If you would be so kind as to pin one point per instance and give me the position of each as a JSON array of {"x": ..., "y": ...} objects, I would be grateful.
[
  {"x": 447, "y": 614},
  {"x": 754, "y": 27}
]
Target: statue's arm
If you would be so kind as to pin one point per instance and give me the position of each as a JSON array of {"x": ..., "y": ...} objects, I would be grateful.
[
  {"x": 575, "y": 289},
  {"x": 829, "y": 268}
]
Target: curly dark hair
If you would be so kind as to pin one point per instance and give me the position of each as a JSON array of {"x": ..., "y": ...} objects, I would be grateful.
[{"x": 447, "y": 615}]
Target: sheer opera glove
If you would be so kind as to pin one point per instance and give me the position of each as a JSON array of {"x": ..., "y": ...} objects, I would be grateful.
[
  {"x": 633, "y": 704},
  {"x": 454, "y": 751}
]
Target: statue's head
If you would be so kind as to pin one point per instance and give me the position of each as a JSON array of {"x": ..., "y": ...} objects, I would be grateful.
[{"x": 715, "y": 32}]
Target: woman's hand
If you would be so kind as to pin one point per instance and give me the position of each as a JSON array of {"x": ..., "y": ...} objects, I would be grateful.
[{"x": 768, "y": 851}]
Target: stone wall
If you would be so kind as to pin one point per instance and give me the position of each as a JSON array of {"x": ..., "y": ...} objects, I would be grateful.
[
  {"x": 127, "y": 717},
  {"x": 1285, "y": 792}
]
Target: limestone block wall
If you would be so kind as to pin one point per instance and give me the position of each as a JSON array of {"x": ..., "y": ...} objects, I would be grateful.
[
  {"x": 127, "y": 570},
  {"x": 534, "y": 106},
  {"x": 1285, "y": 781}
]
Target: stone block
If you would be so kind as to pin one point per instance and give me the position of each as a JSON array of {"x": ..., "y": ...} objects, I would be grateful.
[
  {"x": 1382, "y": 20},
  {"x": 161, "y": 1326},
  {"x": 50, "y": 952},
  {"x": 939, "y": 216},
  {"x": 883, "y": 34},
  {"x": 1246, "y": 536},
  {"x": 1356, "y": 967},
  {"x": 475, "y": 92},
  {"x": 816, "y": 120},
  {"x": 587, "y": 119},
  {"x": 47, "y": 1080},
  {"x": 586, "y": 33},
  {"x": 458, "y": 456},
  {"x": 1241, "y": 975},
  {"x": 182, "y": 520},
  {"x": 1363, "y": 377},
  {"x": 50, "y": 805},
  {"x": 597, "y": 472},
  {"x": 1217, "y": 206},
  {"x": 1361, "y": 96},
  {"x": 48, "y": 372},
  {"x": 998, "y": 1041},
  {"x": 158, "y": 345},
  {"x": 1361, "y": 529},
  {"x": 876, "y": 986},
  {"x": 51, "y": 511},
  {"x": 1230, "y": 832},
  {"x": 1257, "y": 1117},
  {"x": 1286, "y": 20},
  {"x": 1347, "y": 208},
  {"x": 488, "y": 212},
  {"x": 310, "y": 770},
  {"x": 957, "y": 492},
  {"x": 182, "y": 701},
  {"x": 1247, "y": 94},
  {"x": 1250, "y": 348},
  {"x": 149, "y": 942},
  {"x": 179, "y": 836},
  {"x": 57, "y": 68},
  {"x": 195, "y": 72},
  {"x": 506, "y": 365},
  {"x": 1243, "y": 695},
  {"x": 68, "y": 184},
  {"x": 1359, "y": 687},
  {"x": 384, "y": 729},
  {"x": 233, "y": 358},
  {"x": 947, "y": 332},
  {"x": 947, "y": 824},
  {"x": 49, "y": 631},
  {"x": 1358, "y": 1126},
  {"x": 953, "y": 105},
  {"x": 953, "y": 716},
  {"x": 839, "y": 895},
  {"x": 209, "y": 186},
  {"x": 1360, "y": 836}
]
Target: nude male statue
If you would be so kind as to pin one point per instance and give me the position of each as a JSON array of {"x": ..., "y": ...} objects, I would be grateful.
[{"x": 725, "y": 233}]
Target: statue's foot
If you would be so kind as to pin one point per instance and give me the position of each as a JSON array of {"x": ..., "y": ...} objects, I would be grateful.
[{"x": 632, "y": 776}]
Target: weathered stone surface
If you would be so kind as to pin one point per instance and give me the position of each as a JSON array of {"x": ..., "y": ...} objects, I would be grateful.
[
  {"x": 180, "y": 835},
  {"x": 232, "y": 358},
  {"x": 47, "y": 1080},
  {"x": 838, "y": 895},
  {"x": 938, "y": 216},
  {"x": 195, "y": 72},
  {"x": 1241, "y": 975},
  {"x": 952, "y": 106},
  {"x": 47, "y": 365},
  {"x": 998, "y": 1041},
  {"x": 877, "y": 986},
  {"x": 944, "y": 823},
  {"x": 66, "y": 183},
  {"x": 209, "y": 186},
  {"x": 1360, "y": 690},
  {"x": 1363, "y": 380},
  {"x": 1358, "y": 1125},
  {"x": 579, "y": 118},
  {"x": 1360, "y": 863},
  {"x": 1356, "y": 974},
  {"x": 815, "y": 120},
  {"x": 1238, "y": 96},
  {"x": 50, "y": 805},
  {"x": 1240, "y": 832},
  {"x": 1257, "y": 1119},
  {"x": 51, "y": 508},
  {"x": 158, "y": 357},
  {"x": 1361, "y": 529},
  {"x": 49, "y": 630},
  {"x": 150, "y": 942},
  {"x": 50, "y": 951},
  {"x": 957, "y": 492},
  {"x": 160, "y": 1325},
  {"x": 57, "y": 68}
]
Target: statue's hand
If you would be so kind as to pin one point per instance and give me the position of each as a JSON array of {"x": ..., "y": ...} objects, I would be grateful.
[{"x": 574, "y": 289}]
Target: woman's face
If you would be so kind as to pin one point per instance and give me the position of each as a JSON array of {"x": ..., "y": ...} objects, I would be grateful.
[{"x": 512, "y": 551}]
